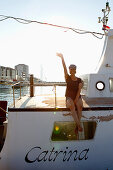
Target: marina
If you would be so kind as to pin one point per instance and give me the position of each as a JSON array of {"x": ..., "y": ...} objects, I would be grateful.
[{"x": 37, "y": 130}]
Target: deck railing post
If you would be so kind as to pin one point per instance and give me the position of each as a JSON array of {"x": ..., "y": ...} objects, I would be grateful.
[
  {"x": 55, "y": 96},
  {"x": 20, "y": 90},
  {"x": 13, "y": 96},
  {"x": 31, "y": 86}
]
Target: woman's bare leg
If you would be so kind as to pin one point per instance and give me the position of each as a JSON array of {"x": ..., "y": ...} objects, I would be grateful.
[
  {"x": 70, "y": 104},
  {"x": 79, "y": 106}
]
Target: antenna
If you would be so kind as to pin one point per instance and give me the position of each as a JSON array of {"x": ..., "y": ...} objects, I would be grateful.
[{"x": 104, "y": 20}]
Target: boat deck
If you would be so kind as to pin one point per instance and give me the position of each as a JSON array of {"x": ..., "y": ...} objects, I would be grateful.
[{"x": 48, "y": 101}]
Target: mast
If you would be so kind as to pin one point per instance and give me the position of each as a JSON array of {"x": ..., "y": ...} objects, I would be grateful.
[
  {"x": 104, "y": 20},
  {"x": 106, "y": 61}
]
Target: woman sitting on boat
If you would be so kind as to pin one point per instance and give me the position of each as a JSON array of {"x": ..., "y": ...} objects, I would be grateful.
[{"x": 73, "y": 89}]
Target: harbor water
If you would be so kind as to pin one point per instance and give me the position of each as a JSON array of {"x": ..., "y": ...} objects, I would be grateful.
[{"x": 7, "y": 93}]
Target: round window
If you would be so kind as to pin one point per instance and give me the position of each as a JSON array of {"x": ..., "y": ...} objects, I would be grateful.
[{"x": 100, "y": 85}]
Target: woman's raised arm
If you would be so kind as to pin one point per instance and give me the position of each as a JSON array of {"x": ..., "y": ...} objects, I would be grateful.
[{"x": 63, "y": 63}]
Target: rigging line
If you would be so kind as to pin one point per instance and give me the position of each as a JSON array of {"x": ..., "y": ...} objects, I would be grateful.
[
  {"x": 3, "y": 19},
  {"x": 25, "y": 21},
  {"x": 93, "y": 33},
  {"x": 17, "y": 19},
  {"x": 22, "y": 22},
  {"x": 97, "y": 36},
  {"x": 87, "y": 31},
  {"x": 3, "y": 110}
]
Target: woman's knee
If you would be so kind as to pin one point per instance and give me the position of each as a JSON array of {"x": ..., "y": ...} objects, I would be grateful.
[
  {"x": 79, "y": 104},
  {"x": 80, "y": 101}
]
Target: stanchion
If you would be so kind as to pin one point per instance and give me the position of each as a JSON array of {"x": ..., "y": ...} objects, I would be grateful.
[{"x": 31, "y": 86}]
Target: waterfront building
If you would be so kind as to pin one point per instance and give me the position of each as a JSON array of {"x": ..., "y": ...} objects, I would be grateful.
[
  {"x": 22, "y": 71},
  {"x": 7, "y": 73}
]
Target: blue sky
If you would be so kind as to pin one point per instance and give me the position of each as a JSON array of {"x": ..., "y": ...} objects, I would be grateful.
[{"x": 36, "y": 45}]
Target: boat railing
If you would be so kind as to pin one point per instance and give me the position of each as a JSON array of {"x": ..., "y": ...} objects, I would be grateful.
[
  {"x": 32, "y": 85},
  {"x": 53, "y": 84},
  {"x": 39, "y": 84},
  {"x": 13, "y": 86}
]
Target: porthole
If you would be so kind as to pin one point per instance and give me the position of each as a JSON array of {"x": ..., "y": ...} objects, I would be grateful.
[{"x": 100, "y": 85}]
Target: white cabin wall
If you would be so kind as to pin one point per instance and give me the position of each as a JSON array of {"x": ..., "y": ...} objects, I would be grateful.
[
  {"x": 93, "y": 91},
  {"x": 106, "y": 61},
  {"x": 104, "y": 71}
]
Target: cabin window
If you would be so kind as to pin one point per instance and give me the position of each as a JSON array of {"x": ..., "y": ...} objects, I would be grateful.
[
  {"x": 100, "y": 85},
  {"x": 65, "y": 131},
  {"x": 111, "y": 84}
]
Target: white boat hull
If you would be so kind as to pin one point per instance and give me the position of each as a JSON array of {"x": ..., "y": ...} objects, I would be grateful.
[{"x": 28, "y": 143}]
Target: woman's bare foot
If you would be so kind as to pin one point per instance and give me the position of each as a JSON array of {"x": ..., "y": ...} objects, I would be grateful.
[
  {"x": 80, "y": 129},
  {"x": 76, "y": 130},
  {"x": 67, "y": 114}
]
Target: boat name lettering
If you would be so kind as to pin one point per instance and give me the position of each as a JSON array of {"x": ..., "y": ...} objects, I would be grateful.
[{"x": 37, "y": 154}]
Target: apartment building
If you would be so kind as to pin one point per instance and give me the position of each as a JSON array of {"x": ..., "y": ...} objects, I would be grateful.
[
  {"x": 7, "y": 73},
  {"x": 22, "y": 71}
]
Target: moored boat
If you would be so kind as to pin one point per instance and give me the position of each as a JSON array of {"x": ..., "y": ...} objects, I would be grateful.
[{"x": 40, "y": 133}]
